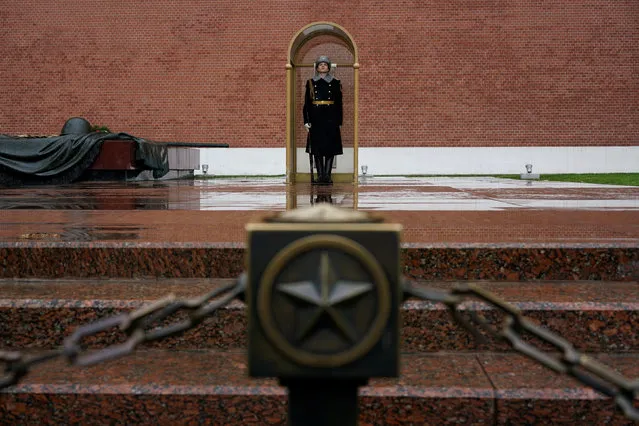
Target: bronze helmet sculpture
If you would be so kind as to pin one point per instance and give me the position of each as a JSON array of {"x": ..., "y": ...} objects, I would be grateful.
[{"x": 76, "y": 125}]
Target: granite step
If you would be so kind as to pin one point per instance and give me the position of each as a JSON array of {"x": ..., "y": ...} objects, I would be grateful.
[
  {"x": 596, "y": 316},
  {"x": 209, "y": 387},
  {"x": 428, "y": 261}
]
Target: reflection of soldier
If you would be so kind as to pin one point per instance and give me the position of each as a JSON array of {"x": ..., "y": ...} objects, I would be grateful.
[
  {"x": 323, "y": 118},
  {"x": 321, "y": 195}
]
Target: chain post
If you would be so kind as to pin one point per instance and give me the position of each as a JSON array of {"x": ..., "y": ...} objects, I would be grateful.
[{"x": 323, "y": 297}]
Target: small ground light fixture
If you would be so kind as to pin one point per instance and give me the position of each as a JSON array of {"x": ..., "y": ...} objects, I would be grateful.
[
  {"x": 529, "y": 174},
  {"x": 205, "y": 168}
]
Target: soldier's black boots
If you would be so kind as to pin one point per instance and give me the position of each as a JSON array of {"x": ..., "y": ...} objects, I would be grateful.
[
  {"x": 328, "y": 168},
  {"x": 310, "y": 161},
  {"x": 319, "y": 162},
  {"x": 324, "y": 169}
]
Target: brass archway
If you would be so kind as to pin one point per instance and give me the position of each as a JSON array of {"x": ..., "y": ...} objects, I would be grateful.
[{"x": 304, "y": 35}]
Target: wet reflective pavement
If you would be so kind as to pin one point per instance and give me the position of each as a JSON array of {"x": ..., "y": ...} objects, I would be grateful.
[{"x": 434, "y": 211}]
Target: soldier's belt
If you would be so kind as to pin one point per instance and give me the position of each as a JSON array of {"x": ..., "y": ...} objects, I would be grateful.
[{"x": 323, "y": 102}]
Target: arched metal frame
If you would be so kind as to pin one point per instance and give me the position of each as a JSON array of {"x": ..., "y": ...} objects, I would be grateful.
[{"x": 302, "y": 37}]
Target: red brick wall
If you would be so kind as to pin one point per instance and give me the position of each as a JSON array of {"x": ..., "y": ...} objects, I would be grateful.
[{"x": 434, "y": 73}]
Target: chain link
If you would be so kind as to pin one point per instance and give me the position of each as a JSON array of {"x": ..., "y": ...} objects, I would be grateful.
[
  {"x": 515, "y": 326},
  {"x": 141, "y": 326},
  {"x": 138, "y": 325},
  {"x": 18, "y": 365}
]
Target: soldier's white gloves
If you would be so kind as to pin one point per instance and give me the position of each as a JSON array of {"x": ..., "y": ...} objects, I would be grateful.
[{"x": 308, "y": 126}]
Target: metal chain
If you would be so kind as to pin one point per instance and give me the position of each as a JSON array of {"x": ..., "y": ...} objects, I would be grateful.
[
  {"x": 138, "y": 325},
  {"x": 569, "y": 361},
  {"x": 17, "y": 365}
]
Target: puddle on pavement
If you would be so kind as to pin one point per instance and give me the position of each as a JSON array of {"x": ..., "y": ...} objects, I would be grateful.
[{"x": 383, "y": 193}]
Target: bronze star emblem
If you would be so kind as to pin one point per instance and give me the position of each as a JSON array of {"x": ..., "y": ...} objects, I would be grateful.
[
  {"x": 325, "y": 294},
  {"x": 323, "y": 301}
]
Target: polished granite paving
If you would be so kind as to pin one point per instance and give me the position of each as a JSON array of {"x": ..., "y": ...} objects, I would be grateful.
[
  {"x": 432, "y": 210},
  {"x": 566, "y": 254}
]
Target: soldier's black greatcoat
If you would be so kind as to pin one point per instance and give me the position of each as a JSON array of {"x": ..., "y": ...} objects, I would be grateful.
[{"x": 323, "y": 109}]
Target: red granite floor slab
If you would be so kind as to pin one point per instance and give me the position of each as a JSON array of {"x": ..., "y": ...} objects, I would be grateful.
[
  {"x": 428, "y": 228},
  {"x": 431, "y": 210}
]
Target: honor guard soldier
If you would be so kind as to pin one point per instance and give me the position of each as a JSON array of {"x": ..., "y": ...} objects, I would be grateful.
[{"x": 322, "y": 118}]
